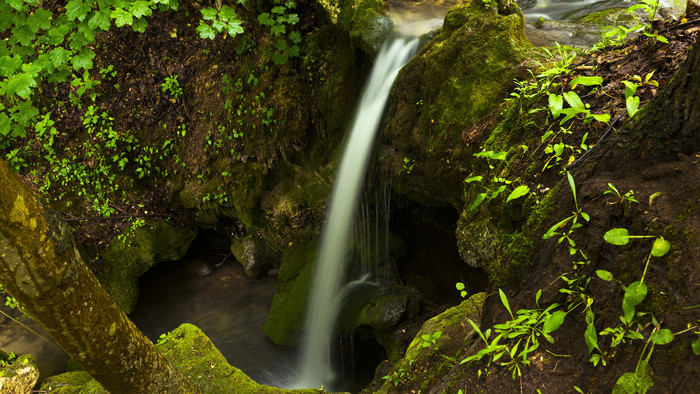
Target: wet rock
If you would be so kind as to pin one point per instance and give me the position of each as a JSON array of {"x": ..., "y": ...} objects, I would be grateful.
[
  {"x": 127, "y": 259},
  {"x": 255, "y": 255},
  {"x": 457, "y": 79},
  {"x": 20, "y": 376}
]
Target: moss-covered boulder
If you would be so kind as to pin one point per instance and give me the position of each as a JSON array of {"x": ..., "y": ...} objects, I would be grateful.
[
  {"x": 130, "y": 257},
  {"x": 423, "y": 365},
  {"x": 286, "y": 317},
  {"x": 19, "y": 376},
  {"x": 193, "y": 353},
  {"x": 458, "y": 78},
  {"x": 255, "y": 255},
  {"x": 364, "y": 23}
]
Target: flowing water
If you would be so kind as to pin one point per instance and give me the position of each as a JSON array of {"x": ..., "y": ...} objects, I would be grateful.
[{"x": 324, "y": 301}]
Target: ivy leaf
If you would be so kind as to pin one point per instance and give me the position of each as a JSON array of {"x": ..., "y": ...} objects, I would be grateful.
[
  {"x": 140, "y": 8},
  {"x": 76, "y": 9},
  {"x": 518, "y": 192},
  {"x": 632, "y": 104},
  {"x": 617, "y": 236}
]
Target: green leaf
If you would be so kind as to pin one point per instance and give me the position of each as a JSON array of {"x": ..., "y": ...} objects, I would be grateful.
[
  {"x": 632, "y": 104},
  {"x": 630, "y": 88},
  {"x": 556, "y": 103},
  {"x": 209, "y": 13},
  {"x": 537, "y": 297},
  {"x": 552, "y": 230},
  {"x": 139, "y": 25},
  {"x": 20, "y": 84},
  {"x": 504, "y": 300},
  {"x": 5, "y": 130},
  {"x": 477, "y": 178},
  {"x": 99, "y": 19},
  {"x": 632, "y": 382},
  {"x": 661, "y": 337},
  {"x": 59, "y": 56},
  {"x": 572, "y": 185},
  {"x": 292, "y": 19},
  {"x": 634, "y": 295},
  {"x": 479, "y": 199},
  {"x": 122, "y": 17},
  {"x": 695, "y": 345},
  {"x": 83, "y": 59},
  {"x": 553, "y": 321},
  {"x": 9, "y": 65},
  {"x": 574, "y": 100},
  {"x": 206, "y": 31},
  {"x": 604, "y": 275},
  {"x": 278, "y": 30},
  {"x": 227, "y": 13},
  {"x": 40, "y": 19},
  {"x": 234, "y": 28},
  {"x": 586, "y": 81},
  {"x": 295, "y": 37},
  {"x": 617, "y": 236},
  {"x": 660, "y": 248},
  {"x": 140, "y": 8},
  {"x": 265, "y": 19},
  {"x": 22, "y": 35},
  {"x": 590, "y": 336},
  {"x": 76, "y": 9},
  {"x": 518, "y": 192}
]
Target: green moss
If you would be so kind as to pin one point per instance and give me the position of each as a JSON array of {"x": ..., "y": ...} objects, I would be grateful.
[
  {"x": 364, "y": 23},
  {"x": 127, "y": 259},
  {"x": 286, "y": 317},
  {"x": 192, "y": 353},
  {"x": 20, "y": 376}
]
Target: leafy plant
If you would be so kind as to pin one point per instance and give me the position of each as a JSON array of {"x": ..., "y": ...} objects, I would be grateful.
[
  {"x": 502, "y": 183},
  {"x": 213, "y": 22},
  {"x": 280, "y": 20},
  {"x": 527, "y": 325},
  {"x": 172, "y": 86},
  {"x": 407, "y": 165},
  {"x": 573, "y": 219},
  {"x": 629, "y": 196},
  {"x": 431, "y": 340},
  {"x": 397, "y": 376}
]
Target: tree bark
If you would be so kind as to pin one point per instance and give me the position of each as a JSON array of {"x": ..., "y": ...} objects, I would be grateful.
[{"x": 41, "y": 267}]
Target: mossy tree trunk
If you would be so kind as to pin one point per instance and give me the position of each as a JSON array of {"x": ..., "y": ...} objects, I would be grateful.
[{"x": 41, "y": 267}]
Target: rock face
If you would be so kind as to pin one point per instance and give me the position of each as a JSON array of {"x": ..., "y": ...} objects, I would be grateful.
[
  {"x": 20, "y": 376},
  {"x": 126, "y": 260},
  {"x": 458, "y": 77},
  {"x": 255, "y": 255}
]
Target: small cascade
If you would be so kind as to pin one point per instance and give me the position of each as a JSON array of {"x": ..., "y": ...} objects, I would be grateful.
[{"x": 326, "y": 288}]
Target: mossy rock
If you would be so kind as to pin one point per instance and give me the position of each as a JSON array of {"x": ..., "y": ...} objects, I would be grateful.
[
  {"x": 194, "y": 355},
  {"x": 20, "y": 376},
  {"x": 255, "y": 255},
  {"x": 457, "y": 335},
  {"x": 287, "y": 312},
  {"x": 127, "y": 259},
  {"x": 458, "y": 78},
  {"x": 366, "y": 26}
]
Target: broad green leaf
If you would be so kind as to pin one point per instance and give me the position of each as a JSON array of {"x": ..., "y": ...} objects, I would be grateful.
[
  {"x": 265, "y": 19},
  {"x": 504, "y": 300},
  {"x": 4, "y": 124},
  {"x": 590, "y": 336},
  {"x": 140, "y": 8},
  {"x": 604, "y": 275},
  {"x": 553, "y": 321},
  {"x": 59, "y": 56},
  {"x": 632, "y": 104},
  {"x": 40, "y": 19},
  {"x": 479, "y": 199},
  {"x": 605, "y": 118},
  {"x": 295, "y": 36},
  {"x": 227, "y": 13},
  {"x": 234, "y": 28},
  {"x": 662, "y": 336},
  {"x": 16, "y": 4},
  {"x": 20, "y": 84},
  {"x": 574, "y": 100},
  {"x": 76, "y": 9},
  {"x": 634, "y": 295},
  {"x": 209, "y": 13},
  {"x": 139, "y": 25},
  {"x": 122, "y": 17},
  {"x": 278, "y": 30},
  {"x": 99, "y": 19},
  {"x": 83, "y": 59},
  {"x": 617, "y": 236},
  {"x": 218, "y": 25},
  {"x": 205, "y": 31},
  {"x": 630, "y": 88},
  {"x": 556, "y": 103},
  {"x": 278, "y": 10},
  {"x": 630, "y": 382},
  {"x": 660, "y": 248},
  {"x": 9, "y": 65},
  {"x": 696, "y": 342},
  {"x": 292, "y": 19},
  {"x": 518, "y": 192},
  {"x": 22, "y": 35},
  {"x": 586, "y": 81}
]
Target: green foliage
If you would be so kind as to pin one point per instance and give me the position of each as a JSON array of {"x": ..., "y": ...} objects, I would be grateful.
[
  {"x": 407, "y": 165},
  {"x": 43, "y": 46},
  {"x": 11, "y": 357},
  {"x": 431, "y": 340},
  {"x": 617, "y": 35},
  {"x": 397, "y": 376},
  {"x": 629, "y": 196},
  {"x": 573, "y": 219},
  {"x": 286, "y": 41},
  {"x": 527, "y": 325},
  {"x": 501, "y": 183},
  {"x": 224, "y": 20},
  {"x": 172, "y": 86}
]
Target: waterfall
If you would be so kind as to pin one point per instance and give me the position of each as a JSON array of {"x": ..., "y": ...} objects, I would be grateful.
[{"x": 325, "y": 292}]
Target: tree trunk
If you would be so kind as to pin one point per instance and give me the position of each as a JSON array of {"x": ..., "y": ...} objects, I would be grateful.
[{"x": 41, "y": 267}]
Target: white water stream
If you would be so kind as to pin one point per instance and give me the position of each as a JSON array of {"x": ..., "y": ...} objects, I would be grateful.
[{"x": 324, "y": 302}]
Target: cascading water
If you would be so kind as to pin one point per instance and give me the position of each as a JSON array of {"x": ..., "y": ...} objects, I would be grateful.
[{"x": 325, "y": 293}]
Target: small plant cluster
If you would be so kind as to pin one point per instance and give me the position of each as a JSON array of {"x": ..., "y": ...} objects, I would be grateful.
[
  {"x": 397, "y": 376},
  {"x": 11, "y": 357},
  {"x": 280, "y": 20},
  {"x": 618, "y": 34},
  {"x": 216, "y": 21},
  {"x": 501, "y": 182},
  {"x": 172, "y": 86}
]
